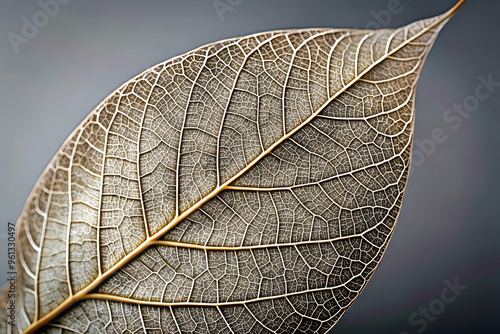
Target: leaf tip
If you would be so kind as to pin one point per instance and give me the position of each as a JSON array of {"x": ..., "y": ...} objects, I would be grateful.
[
  {"x": 454, "y": 10},
  {"x": 442, "y": 19}
]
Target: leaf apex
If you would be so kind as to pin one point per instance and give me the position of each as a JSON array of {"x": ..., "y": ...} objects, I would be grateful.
[{"x": 449, "y": 14}]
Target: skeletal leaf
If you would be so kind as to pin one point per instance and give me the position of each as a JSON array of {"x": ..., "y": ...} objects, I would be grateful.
[{"x": 251, "y": 185}]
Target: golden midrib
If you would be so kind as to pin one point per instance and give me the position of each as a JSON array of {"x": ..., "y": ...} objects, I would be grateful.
[{"x": 84, "y": 293}]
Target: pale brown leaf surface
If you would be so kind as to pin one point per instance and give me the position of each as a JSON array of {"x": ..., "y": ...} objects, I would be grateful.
[{"x": 251, "y": 185}]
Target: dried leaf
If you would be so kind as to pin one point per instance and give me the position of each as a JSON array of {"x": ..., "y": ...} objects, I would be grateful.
[{"x": 251, "y": 185}]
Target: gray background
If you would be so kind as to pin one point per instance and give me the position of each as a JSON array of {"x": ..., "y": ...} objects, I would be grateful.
[{"x": 448, "y": 227}]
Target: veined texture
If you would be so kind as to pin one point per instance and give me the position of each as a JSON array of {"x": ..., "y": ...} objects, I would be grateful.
[{"x": 251, "y": 185}]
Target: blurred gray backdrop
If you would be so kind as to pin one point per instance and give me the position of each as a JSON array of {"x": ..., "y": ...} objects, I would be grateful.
[{"x": 448, "y": 231}]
